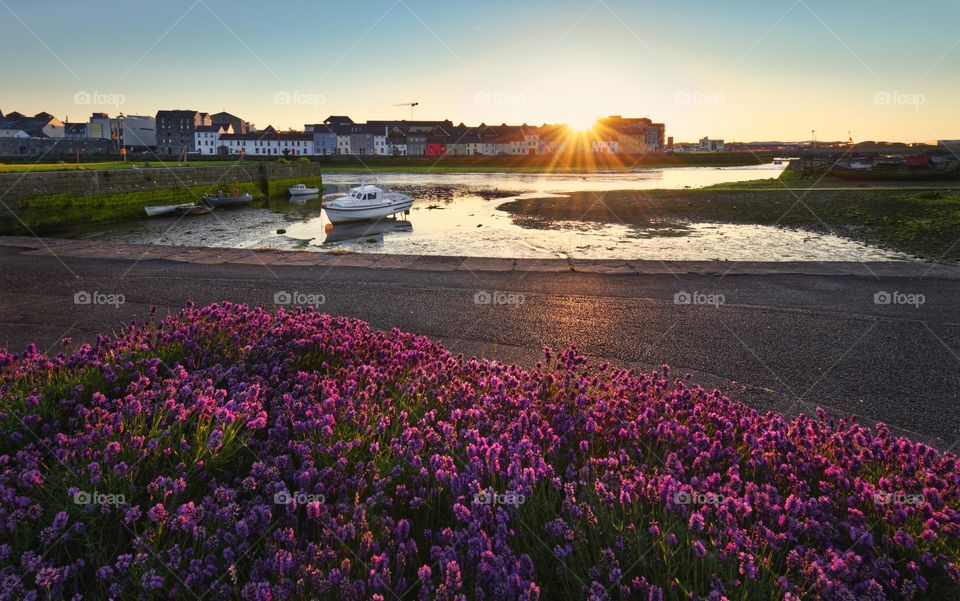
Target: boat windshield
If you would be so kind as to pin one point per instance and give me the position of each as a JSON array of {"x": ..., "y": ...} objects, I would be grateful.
[{"x": 357, "y": 194}]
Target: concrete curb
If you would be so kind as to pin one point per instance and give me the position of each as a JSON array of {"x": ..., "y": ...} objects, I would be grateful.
[{"x": 212, "y": 256}]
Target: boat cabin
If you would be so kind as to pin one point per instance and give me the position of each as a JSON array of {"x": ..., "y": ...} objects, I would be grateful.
[{"x": 367, "y": 193}]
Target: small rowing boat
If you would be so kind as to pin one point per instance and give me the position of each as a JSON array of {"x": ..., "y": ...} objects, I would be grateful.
[
  {"x": 221, "y": 200},
  {"x": 161, "y": 210}
]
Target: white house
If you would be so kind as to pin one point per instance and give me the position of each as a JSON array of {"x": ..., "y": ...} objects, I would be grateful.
[
  {"x": 343, "y": 143},
  {"x": 207, "y": 138},
  {"x": 396, "y": 147},
  {"x": 532, "y": 142},
  {"x": 295, "y": 144},
  {"x": 269, "y": 142},
  {"x": 605, "y": 146},
  {"x": 380, "y": 145}
]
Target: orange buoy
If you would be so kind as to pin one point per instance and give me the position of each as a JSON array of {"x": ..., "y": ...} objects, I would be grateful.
[{"x": 328, "y": 228}]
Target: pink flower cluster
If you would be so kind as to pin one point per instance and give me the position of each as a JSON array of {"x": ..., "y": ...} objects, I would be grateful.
[{"x": 233, "y": 453}]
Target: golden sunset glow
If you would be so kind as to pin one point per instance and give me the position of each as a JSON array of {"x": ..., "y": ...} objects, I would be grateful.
[{"x": 582, "y": 123}]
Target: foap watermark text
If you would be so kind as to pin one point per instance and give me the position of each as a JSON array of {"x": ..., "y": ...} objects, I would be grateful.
[
  {"x": 84, "y": 297},
  {"x": 698, "y": 298},
  {"x": 882, "y": 297},
  {"x": 499, "y": 298},
  {"x": 299, "y": 299}
]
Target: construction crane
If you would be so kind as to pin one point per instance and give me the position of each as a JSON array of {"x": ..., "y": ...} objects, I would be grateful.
[{"x": 411, "y": 105}]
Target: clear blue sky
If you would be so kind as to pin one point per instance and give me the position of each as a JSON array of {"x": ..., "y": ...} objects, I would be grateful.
[{"x": 735, "y": 69}]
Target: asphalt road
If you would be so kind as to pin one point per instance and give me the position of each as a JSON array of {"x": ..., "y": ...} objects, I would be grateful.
[{"x": 783, "y": 341}]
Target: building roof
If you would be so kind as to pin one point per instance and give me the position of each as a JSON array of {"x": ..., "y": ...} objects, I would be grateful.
[
  {"x": 322, "y": 128},
  {"x": 405, "y": 123},
  {"x": 177, "y": 114},
  {"x": 337, "y": 120},
  {"x": 33, "y": 126},
  {"x": 223, "y": 115},
  {"x": 209, "y": 128},
  {"x": 466, "y": 138},
  {"x": 359, "y": 128}
]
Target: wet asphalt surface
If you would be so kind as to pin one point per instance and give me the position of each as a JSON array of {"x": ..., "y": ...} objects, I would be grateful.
[{"x": 788, "y": 342}]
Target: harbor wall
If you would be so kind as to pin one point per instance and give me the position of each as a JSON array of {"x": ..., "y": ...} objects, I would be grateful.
[
  {"x": 46, "y": 201},
  {"x": 17, "y": 185}
]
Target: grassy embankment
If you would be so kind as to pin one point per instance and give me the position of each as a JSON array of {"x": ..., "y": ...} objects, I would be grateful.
[
  {"x": 50, "y": 213},
  {"x": 793, "y": 180},
  {"x": 575, "y": 163},
  {"x": 923, "y": 223}
]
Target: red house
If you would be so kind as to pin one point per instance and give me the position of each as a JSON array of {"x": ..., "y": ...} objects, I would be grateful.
[{"x": 436, "y": 147}]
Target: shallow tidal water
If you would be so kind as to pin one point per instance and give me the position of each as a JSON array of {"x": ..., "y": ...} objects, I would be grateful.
[{"x": 456, "y": 214}]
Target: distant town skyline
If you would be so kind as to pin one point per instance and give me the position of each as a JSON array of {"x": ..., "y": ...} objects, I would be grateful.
[{"x": 749, "y": 71}]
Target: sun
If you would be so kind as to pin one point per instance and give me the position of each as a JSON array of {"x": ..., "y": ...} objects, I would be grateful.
[{"x": 582, "y": 124}]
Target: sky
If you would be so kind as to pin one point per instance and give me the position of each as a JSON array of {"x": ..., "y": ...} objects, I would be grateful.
[{"x": 737, "y": 69}]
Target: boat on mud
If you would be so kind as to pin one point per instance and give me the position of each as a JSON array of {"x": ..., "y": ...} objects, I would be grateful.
[
  {"x": 302, "y": 190},
  {"x": 188, "y": 208},
  {"x": 161, "y": 210},
  {"x": 366, "y": 202},
  {"x": 222, "y": 200}
]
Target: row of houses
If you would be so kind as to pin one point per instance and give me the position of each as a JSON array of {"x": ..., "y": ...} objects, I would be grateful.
[
  {"x": 340, "y": 135},
  {"x": 181, "y": 132},
  {"x": 42, "y": 133},
  {"x": 167, "y": 132},
  {"x": 130, "y": 131}
]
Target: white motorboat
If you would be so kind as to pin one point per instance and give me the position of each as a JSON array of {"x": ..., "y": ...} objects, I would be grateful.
[
  {"x": 302, "y": 189},
  {"x": 366, "y": 202}
]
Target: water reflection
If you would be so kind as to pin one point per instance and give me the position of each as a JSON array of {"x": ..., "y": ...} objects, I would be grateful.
[
  {"x": 365, "y": 232},
  {"x": 457, "y": 214},
  {"x": 302, "y": 199}
]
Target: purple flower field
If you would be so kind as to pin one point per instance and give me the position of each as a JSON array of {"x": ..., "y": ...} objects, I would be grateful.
[{"x": 235, "y": 453}]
